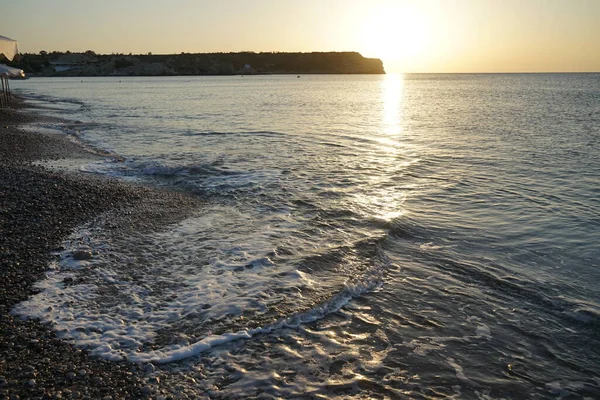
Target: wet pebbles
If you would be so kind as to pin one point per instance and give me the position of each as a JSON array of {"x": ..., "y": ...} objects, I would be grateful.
[{"x": 38, "y": 209}]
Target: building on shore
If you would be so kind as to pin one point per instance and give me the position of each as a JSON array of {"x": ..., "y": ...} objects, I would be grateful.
[{"x": 72, "y": 62}]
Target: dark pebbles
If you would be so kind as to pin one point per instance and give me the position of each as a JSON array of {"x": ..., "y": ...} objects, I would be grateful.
[{"x": 39, "y": 208}]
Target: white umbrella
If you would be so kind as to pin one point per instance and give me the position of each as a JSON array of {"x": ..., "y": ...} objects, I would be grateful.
[
  {"x": 11, "y": 72},
  {"x": 9, "y": 48}
]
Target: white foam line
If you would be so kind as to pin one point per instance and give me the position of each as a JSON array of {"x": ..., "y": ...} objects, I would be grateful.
[{"x": 332, "y": 305}]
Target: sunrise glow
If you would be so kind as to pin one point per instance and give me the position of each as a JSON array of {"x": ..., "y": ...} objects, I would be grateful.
[
  {"x": 396, "y": 33},
  {"x": 408, "y": 35}
]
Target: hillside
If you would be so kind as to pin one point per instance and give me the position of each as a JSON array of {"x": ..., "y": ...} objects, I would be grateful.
[{"x": 248, "y": 63}]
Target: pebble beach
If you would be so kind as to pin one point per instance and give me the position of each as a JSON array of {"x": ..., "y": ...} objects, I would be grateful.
[{"x": 39, "y": 207}]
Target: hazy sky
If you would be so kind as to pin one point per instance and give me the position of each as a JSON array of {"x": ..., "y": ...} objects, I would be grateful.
[{"x": 409, "y": 35}]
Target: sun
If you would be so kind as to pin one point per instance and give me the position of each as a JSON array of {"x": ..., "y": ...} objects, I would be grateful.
[{"x": 394, "y": 33}]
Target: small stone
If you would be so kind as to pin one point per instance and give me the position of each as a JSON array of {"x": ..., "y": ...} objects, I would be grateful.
[
  {"x": 82, "y": 372},
  {"x": 149, "y": 368},
  {"x": 96, "y": 380},
  {"x": 146, "y": 390},
  {"x": 28, "y": 368},
  {"x": 82, "y": 255},
  {"x": 31, "y": 383},
  {"x": 71, "y": 375}
]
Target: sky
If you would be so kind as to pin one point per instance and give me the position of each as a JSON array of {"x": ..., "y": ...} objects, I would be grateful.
[{"x": 408, "y": 35}]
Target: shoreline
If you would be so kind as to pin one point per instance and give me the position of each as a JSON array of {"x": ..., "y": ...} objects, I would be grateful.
[{"x": 39, "y": 208}]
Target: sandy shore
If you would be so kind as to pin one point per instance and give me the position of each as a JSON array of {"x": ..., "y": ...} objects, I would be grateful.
[{"x": 39, "y": 207}]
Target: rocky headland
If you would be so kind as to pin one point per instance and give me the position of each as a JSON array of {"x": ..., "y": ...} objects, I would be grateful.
[{"x": 244, "y": 63}]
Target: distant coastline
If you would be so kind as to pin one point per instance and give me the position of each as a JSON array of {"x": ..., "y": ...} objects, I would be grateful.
[{"x": 243, "y": 63}]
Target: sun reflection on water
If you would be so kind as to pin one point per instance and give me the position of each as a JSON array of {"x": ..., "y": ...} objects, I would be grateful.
[
  {"x": 388, "y": 203},
  {"x": 381, "y": 200},
  {"x": 392, "y": 88}
]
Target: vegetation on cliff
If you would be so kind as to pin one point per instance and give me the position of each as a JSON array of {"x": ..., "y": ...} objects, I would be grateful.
[{"x": 92, "y": 64}]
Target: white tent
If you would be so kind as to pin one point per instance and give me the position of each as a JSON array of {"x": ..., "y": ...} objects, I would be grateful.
[{"x": 9, "y": 48}]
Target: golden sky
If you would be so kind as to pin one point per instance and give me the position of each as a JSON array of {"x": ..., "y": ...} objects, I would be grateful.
[{"x": 408, "y": 35}]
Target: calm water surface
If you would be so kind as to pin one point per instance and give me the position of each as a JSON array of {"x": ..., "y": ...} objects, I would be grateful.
[{"x": 424, "y": 236}]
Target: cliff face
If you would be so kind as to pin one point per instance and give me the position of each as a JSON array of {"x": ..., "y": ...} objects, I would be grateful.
[{"x": 91, "y": 64}]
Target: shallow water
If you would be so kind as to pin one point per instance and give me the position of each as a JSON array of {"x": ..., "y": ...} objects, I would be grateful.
[{"x": 422, "y": 236}]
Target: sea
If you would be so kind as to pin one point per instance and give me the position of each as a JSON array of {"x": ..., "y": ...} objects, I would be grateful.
[{"x": 375, "y": 236}]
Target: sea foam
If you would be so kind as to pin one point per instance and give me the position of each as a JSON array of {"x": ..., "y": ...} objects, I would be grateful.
[{"x": 168, "y": 295}]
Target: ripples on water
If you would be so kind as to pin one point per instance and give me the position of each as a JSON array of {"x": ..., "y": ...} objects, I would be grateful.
[{"x": 422, "y": 236}]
